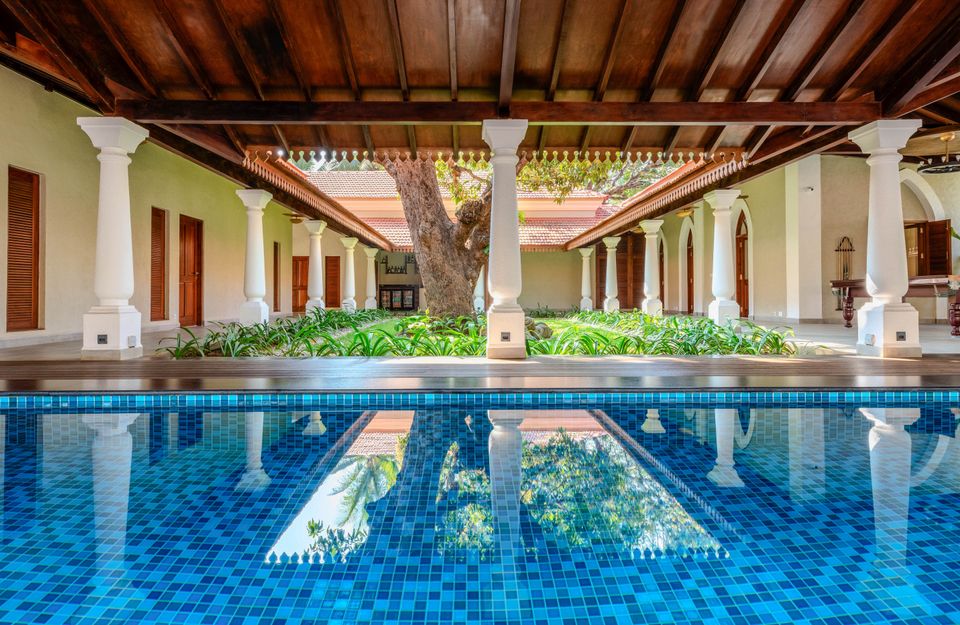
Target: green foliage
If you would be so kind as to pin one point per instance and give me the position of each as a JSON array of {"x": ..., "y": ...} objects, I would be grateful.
[
  {"x": 589, "y": 333},
  {"x": 335, "y": 542}
]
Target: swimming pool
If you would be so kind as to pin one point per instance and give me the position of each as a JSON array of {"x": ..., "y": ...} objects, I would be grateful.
[{"x": 481, "y": 508}]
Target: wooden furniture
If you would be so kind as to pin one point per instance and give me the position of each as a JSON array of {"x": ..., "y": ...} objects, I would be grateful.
[
  {"x": 399, "y": 296},
  {"x": 920, "y": 286}
]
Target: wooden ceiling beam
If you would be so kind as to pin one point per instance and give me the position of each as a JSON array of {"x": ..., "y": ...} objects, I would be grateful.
[
  {"x": 930, "y": 95},
  {"x": 121, "y": 46},
  {"x": 349, "y": 67},
  {"x": 240, "y": 48},
  {"x": 398, "y": 56},
  {"x": 820, "y": 54},
  {"x": 760, "y": 68},
  {"x": 508, "y": 54},
  {"x": 562, "y": 35},
  {"x": 651, "y": 83},
  {"x": 707, "y": 74},
  {"x": 452, "y": 48},
  {"x": 609, "y": 56},
  {"x": 925, "y": 68},
  {"x": 44, "y": 30},
  {"x": 564, "y": 113},
  {"x": 181, "y": 45},
  {"x": 937, "y": 114},
  {"x": 868, "y": 53},
  {"x": 295, "y": 64}
]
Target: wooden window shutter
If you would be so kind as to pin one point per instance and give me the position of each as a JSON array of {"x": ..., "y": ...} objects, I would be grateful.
[
  {"x": 23, "y": 250},
  {"x": 158, "y": 264},
  {"x": 938, "y": 253},
  {"x": 276, "y": 276}
]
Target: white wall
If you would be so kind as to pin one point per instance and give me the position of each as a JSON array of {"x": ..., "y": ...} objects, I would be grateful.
[{"x": 39, "y": 133}]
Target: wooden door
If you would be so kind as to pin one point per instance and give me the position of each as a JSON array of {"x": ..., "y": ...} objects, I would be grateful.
[
  {"x": 331, "y": 281},
  {"x": 23, "y": 250},
  {"x": 158, "y": 264},
  {"x": 663, "y": 291},
  {"x": 191, "y": 271},
  {"x": 276, "y": 276},
  {"x": 690, "y": 281},
  {"x": 742, "y": 267},
  {"x": 301, "y": 269}
]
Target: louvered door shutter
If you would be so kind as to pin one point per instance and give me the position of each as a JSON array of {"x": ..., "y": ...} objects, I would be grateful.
[
  {"x": 939, "y": 253},
  {"x": 23, "y": 250},
  {"x": 158, "y": 264}
]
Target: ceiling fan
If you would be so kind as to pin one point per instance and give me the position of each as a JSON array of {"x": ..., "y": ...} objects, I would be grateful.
[{"x": 295, "y": 218}]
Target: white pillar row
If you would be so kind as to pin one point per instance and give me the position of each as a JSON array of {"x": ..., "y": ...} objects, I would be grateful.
[
  {"x": 506, "y": 334},
  {"x": 723, "y": 307},
  {"x": 886, "y": 326},
  {"x": 371, "y": 302},
  {"x": 349, "y": 303},
  {"x": 479, "y": 301},
  {"x": 315, "y": 269},
  {"x": 724, "y": 472},
  {"x": 610, "y": 290},
  {"x": 652, "y": 304},
  {"x": 586, "y": 293},
  {"x": 254, "y": 310},
  {"x": 111, "y": 328}
]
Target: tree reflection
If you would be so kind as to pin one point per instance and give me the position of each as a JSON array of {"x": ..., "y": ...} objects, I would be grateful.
[{"x": 582, "y": 489}]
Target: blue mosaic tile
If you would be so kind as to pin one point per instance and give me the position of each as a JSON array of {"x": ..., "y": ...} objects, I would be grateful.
[{"x": 622, "y": 507}]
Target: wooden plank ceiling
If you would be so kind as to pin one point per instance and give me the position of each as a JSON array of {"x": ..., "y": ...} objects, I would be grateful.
[{"x": 649, "y": 76}]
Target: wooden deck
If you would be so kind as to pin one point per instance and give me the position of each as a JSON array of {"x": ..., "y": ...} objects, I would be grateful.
[{"x": 444, "y": 374}]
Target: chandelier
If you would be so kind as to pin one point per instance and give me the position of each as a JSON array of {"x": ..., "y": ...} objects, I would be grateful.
[{"x": 943, "y": 164}]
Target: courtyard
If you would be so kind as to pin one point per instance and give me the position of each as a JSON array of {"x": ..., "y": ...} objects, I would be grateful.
[{"x": 501, "y": 311}]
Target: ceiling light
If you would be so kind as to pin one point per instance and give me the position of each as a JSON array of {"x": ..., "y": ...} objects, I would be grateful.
[{"x": 943, "y": 164}]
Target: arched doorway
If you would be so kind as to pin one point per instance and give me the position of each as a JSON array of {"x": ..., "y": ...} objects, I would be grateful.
[
  {"x": 690, "y": 280},
  {"x": 742, "y": 266}
]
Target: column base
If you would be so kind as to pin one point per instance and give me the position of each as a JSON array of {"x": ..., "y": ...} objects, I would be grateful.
[
  {"x": 478, "y": 304},
  {"x": 254, "y": 312},
  {"x": 111, "y": 333},
  {"x": 652, "y": 306},
  {"x": 611, "y": 304},
  {"x": 722, "y": 310},
  {"x": 506, "y": 332},
  {"x": 370, "y": 303},
  {"x": 725, "y": 476},
  {"x": 888, "y": 330},
  {"x": 349, "y": 305},
  {"x": 315, "y": 303},
  {"x": 253, "y": 480},
  {"x": 586, "y": 303},
  {"x": 652, "y": 425}
]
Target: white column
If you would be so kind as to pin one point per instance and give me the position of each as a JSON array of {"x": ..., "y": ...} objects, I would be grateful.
[
  {"x": 506, "y": 334},
  {"x": 610, "y": 292},
  {"x": 652, "y": 305},
  {"x": 586, "y": 292},
  {"x": 111, "y": 329},
  {"x": 479, "y": 299},
  {"x": 699, "y": 212},
  {"x": 723, "y": 307},
  {"x": 371, "y": 302},
  {"x": 254, "y": 310},
  {"x": 315, "y": 425},
  {"x": 315, "y": 270},
  {"x": 886, "y": 326},
  {"x": 724, "y": 472},
  {"x": 804, "y": 277},
  {"x": 349, "y": 303},
  {"x": 254, "y": 478}
]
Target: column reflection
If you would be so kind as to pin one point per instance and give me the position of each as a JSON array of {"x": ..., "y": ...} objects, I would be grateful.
[
  {"x": 254, "y": 478},
  {"x": 724, "y": 472}
]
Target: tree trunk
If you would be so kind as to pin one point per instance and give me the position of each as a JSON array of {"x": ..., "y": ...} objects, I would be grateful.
[{"x": 449, "y": 254}]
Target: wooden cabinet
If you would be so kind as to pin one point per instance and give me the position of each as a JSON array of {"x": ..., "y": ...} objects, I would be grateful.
[{"x": 399, "y": 297}]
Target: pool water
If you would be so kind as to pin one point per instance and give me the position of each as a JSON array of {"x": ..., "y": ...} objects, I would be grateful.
[{"x": 621, "y": 508}]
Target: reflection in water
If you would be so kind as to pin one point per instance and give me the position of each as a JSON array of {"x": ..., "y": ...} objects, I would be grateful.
[
  {"x": 334, "y": 522},
  {"x": 652, "y": 425},
  {"x": 724, "y": 472},
  {"x": 254, "y": 478},
  {"x": 112, "y": 455},
  {"x": 806, "y": 454},
  {"x": 315, "y": 426}
]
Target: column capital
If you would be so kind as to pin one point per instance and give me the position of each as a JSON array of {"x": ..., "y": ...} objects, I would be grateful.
[
  {"x": 315, "y": 226},
  {"x": 722, "y": 199},
  {"x": 254, "y": 199},
  {"x": 884, "y": 135},
  {"x": 611, "y": 242},
  {"x": 113, "y": 132},
  {"x": 651, "y": 226},
  {"x": 371, "y": 252},
  {"x": 349, "y": 242},
  {"x": 504, "y": 135},
  {"x": 586, "y": 252}
]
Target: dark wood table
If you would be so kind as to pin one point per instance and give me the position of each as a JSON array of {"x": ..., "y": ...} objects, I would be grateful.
[{"x": 920, "y": 286}]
